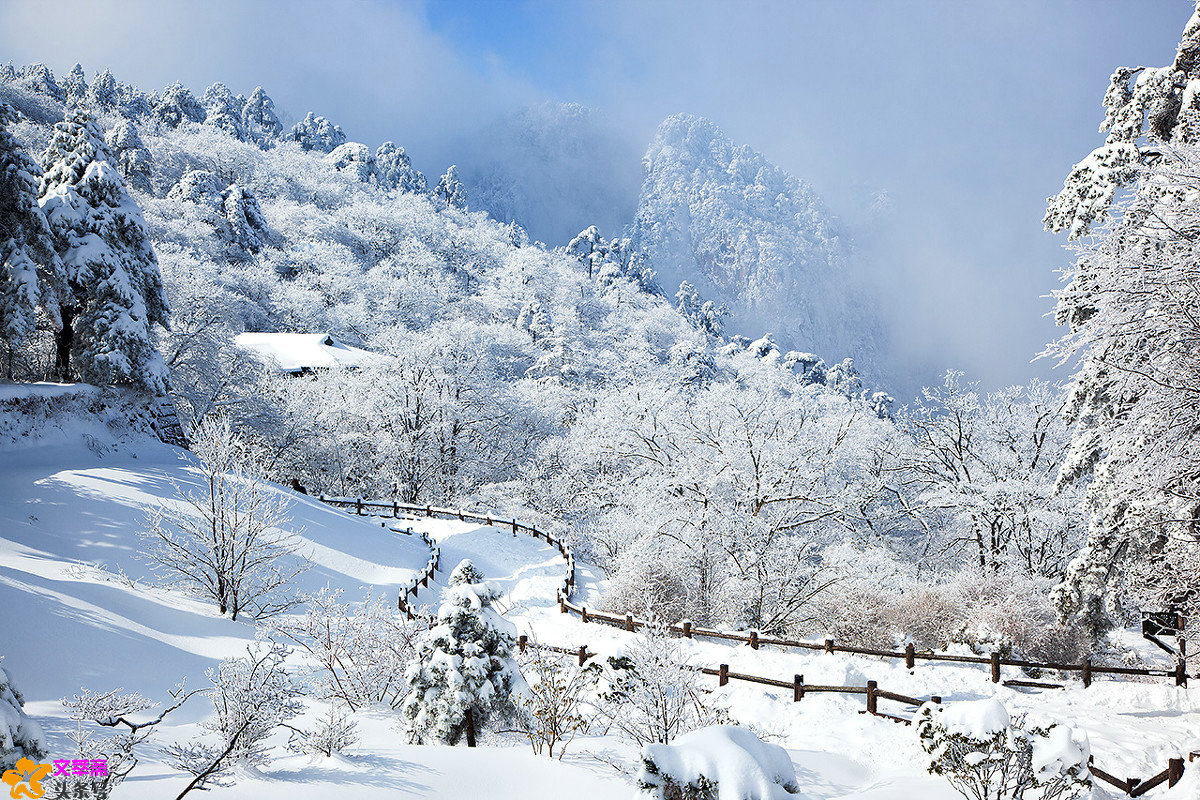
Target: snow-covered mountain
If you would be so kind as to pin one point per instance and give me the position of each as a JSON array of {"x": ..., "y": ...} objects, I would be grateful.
[
  {"x": 554, "y": 169},
  {"x": 746, "y": 233}
]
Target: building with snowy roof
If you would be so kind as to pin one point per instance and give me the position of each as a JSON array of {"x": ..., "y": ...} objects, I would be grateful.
[{"x": 298, "y": 353}]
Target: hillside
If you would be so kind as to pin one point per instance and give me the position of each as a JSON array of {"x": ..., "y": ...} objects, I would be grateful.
[{"x": 745, "y": 233}]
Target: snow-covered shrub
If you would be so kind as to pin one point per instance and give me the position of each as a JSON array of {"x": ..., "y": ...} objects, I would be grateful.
[
  {"x": 226, "y": 542},
  {"x": 463, "y": 673},
  {"x": 360, "y": 650},
  {"x": 987, "y": 755},
  {"x": 718, "y": 761},
  {"x": 554, "y": 707},
  {"x": 332, "y": 733},
  {"x": 20, "y": 736},
  {"x": 655, "y": 694},
  {"x": 252, "y": 696}
]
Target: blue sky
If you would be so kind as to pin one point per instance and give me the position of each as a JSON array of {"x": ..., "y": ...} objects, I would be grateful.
[{"x": 969, "y": 114}]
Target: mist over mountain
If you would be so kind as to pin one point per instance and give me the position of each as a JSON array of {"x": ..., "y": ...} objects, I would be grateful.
[
  {"x": 554, "y": 169},
  {"x": 747, "y": 234}
]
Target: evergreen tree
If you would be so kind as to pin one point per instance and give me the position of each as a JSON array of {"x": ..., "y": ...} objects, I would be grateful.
[
  {"x": 116, "y": 293},
  {"x": 40, "y": 79},
  {"x": 133, "y": 159},
  {"x": 104, "y": 94},
  {"x": 394, "y": 170},
  {"x": 463, "y": 673},
  {"x": 20, "y": 737},
  {"x": 451, "y": 190},
  {"x": 317, "y": 133},
  {"x": 176, "y": 105},
  {"x": 75, "y": 85},
  {"x": 223, "y": 110},
  {"x": 30, "y": 269},
  {"x": 259, "y": 119}
]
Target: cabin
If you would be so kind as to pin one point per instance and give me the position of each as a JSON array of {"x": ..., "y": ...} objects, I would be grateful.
[{"x": 301, "y": 353}]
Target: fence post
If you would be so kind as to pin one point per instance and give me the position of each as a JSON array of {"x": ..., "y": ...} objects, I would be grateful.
[
  {"x": 521, "y": 641},
  {"x": 829, "y": 645},
  {"x": 583, "y": 614},
  {"x": 429, "y": 511},
  {"x": 687, "y": 629},
  {"x": 515, "y": 527},
  {"x": 461, "y": 518},
  {"x": 582, "y": 654},
  {"x": 1174, "y": 771},
  {"x": 797, "y": 688},
  {"x": 395, "y": 509},
  {"x": 629, "y": 622},
  {"x": 1180, "y": 673},
  {"x": 358, "y": 506},
  {"x": 935, "y": 699},
  {"x": 1133, "y": 784},
  {"x": 753, "y": 640},
  {"x": 489, "y": 522},
  {"x": 562, "y": 604},
  {"x": 722, "y": 674},
  {"x": 872, "y": 700},
  {"x": 910, "y": 655},
  {"x": 995, "y": 667},
  {"x": 1086, "y": 672}
]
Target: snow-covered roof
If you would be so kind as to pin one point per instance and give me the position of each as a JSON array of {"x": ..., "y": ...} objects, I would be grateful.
[{"x": 300, "y": 352}]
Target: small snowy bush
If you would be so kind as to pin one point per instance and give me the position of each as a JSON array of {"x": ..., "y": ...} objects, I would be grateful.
[
  {"x": 721, "y": 761},
  {"x": 554, "y": 708},
  {"x": 331, "y": 734},
  {"x": 463, "y": 673},
  {"x": 987, "y": 755},
  {"x": 252, "y": 696}
]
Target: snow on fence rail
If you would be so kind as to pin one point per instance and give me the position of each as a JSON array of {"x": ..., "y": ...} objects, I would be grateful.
[{"x": 1134, "y": 787}]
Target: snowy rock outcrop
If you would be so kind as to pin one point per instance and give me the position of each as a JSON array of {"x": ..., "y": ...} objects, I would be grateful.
[{"x": 747, "y": 234}]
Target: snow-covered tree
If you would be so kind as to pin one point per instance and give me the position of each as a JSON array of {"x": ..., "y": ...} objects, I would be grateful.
[
  {"x": 75, "y": 85},
  {"x": 133, "y": 158},
  {"x": 40, "y": 79},
  {"x": 31, "y": 272},
  {"x": 450, "y": 189},
  {"x": 20, "y": 736},
  {"x": 177, "y": 105},
  {"x": 259, "y": 119},
  {"x": 317, "y": 133},
  {"x": 463, "y": 674},
  {"x": 1129, "y": 306},
  {"x": 248, "y": 227},
  {"x": 394, "y": 170},
  {"x": 104, "y": 94},
  {"x": 252, "y": 696},
  {"x": 354, "y": 158},
  {"x": 116, "y": 291},
  {"x": 223, "y": 110},
  {"x": 228, "y": 541}
]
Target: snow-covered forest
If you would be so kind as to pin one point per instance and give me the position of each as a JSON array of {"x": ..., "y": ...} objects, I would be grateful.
[{"x": 213, "y": 321}]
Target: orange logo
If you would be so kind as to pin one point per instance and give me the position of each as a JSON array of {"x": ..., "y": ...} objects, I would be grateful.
[{"x": 26, "y": 779}]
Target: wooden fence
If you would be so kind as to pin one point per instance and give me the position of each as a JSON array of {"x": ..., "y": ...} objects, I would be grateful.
[{"x": 1134, "y": 787}]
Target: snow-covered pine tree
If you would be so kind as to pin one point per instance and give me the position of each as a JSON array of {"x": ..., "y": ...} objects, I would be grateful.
[
  {"x": 394, "y": 170},
  {"x": 104, "y": 94},
  {"x": 177, "y": 105},
  {"x": 317, "y": 133},
  {"x": 450, "y": 189},
  {"x": 464, "y": 672},
  {"x": 20, "y": 737},
  {"x": 30, "y": 269},
  {"x": 259, "y": 119},
  {"x": 116, "y": 293},
  {"x": 223, "y": 110},
  {"x": 133, "y": 159},
  {"x": 75, "y": 85}
]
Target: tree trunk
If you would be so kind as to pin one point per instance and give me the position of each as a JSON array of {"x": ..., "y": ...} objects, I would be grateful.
[
  {"x": 63, "y": 341},
  {"x": 470, "y": 729}
]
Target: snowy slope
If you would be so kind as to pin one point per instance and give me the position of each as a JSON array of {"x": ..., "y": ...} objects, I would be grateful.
[{"x": 747, "y": 234}]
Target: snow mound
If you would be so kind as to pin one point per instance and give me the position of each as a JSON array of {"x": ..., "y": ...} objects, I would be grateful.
[
  {"x": 734, "y": 761},
  {"x": 976, "y": 719},
  {"x": 301, "y": 352}
]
